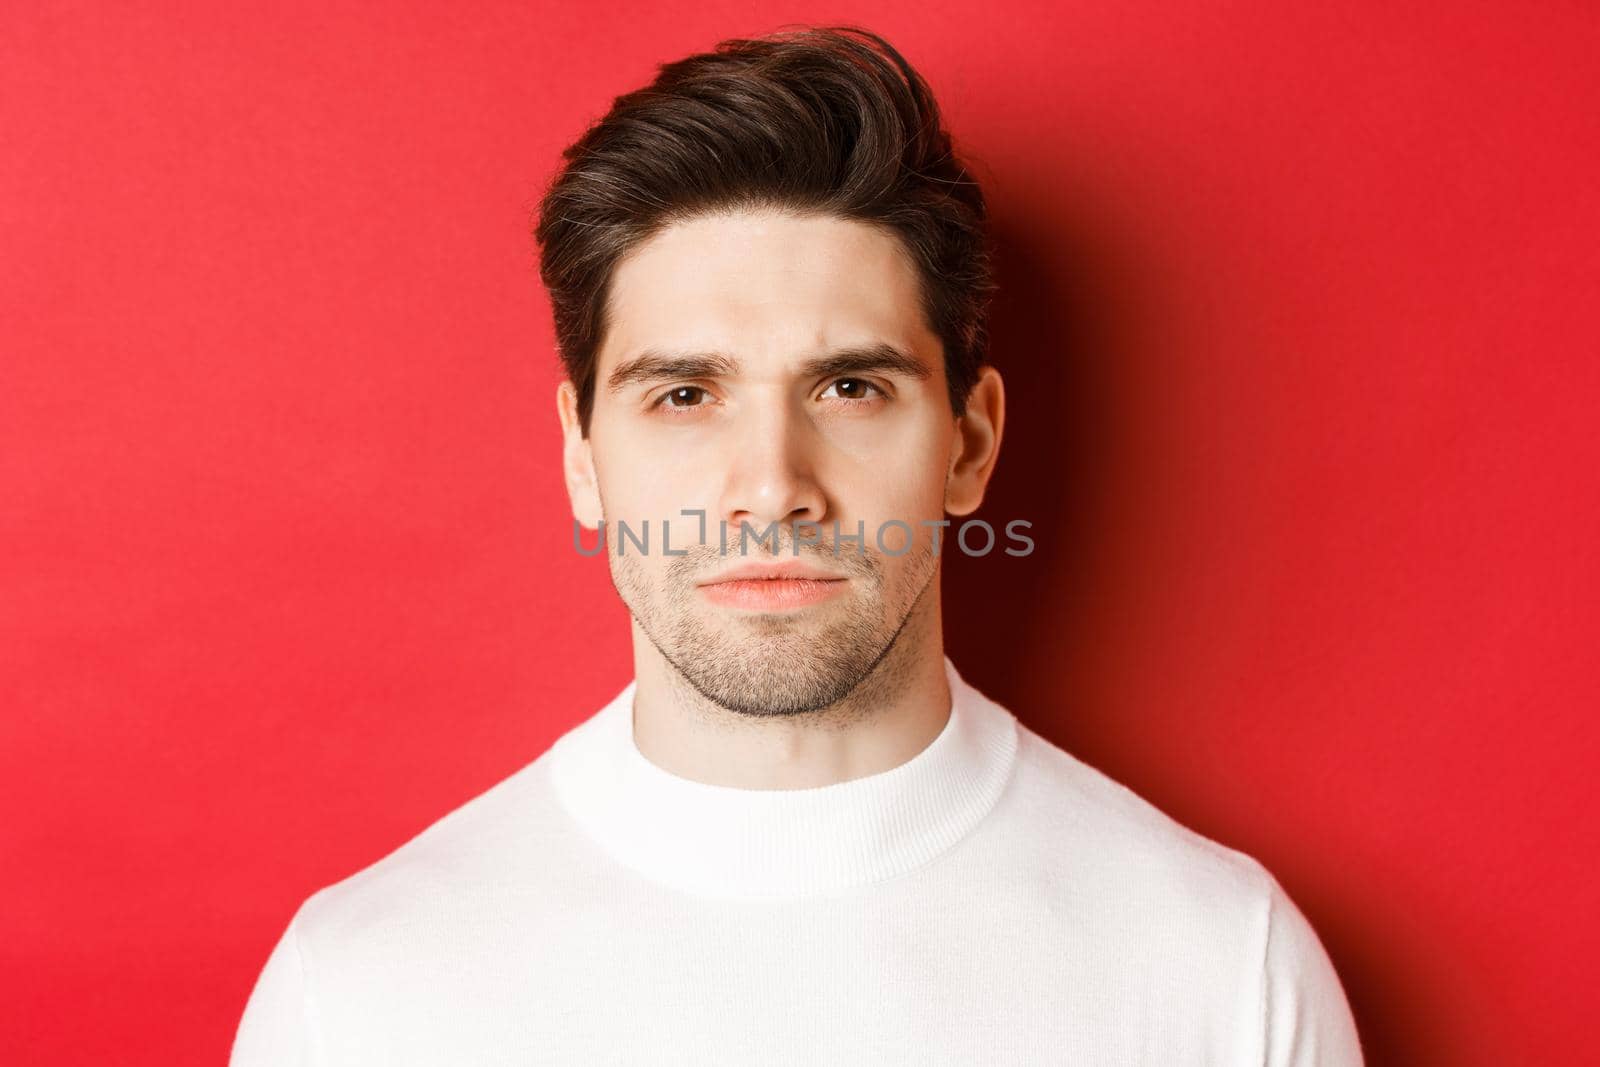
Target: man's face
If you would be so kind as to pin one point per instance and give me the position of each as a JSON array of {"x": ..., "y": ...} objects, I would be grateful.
[{"x": 722, "y": 324}]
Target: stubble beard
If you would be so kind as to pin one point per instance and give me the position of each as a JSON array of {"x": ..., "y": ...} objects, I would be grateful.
[{"x": 775, "y": 664}]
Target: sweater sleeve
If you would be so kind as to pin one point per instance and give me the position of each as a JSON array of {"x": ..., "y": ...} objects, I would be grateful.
[
  {"x": 1306, "y": 1019},
  {"x": 275, "y": 1029}
]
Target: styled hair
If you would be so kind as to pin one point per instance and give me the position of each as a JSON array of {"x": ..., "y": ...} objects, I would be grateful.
[{"x": 816, "y": 120}]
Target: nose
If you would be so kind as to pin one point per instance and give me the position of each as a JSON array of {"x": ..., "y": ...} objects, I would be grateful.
[{"x": 772, "y": 477}]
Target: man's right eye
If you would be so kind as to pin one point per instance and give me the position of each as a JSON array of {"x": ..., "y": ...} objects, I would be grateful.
[{"x": 679, "y": 397}]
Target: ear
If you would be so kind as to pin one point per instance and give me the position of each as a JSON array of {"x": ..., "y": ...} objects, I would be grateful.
[
  {"x": 577, "y": 460},
  {"x": 977, "y": 444}
]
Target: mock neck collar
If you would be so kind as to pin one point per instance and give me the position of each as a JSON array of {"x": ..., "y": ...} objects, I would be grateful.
[{"x": 728, "y": 841}]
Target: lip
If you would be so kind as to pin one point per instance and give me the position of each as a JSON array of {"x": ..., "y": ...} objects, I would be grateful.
[
  {"x": 773, "y": 586},
  {"x": 795, "y": 571},
  {"x": 772, "y": 594}
]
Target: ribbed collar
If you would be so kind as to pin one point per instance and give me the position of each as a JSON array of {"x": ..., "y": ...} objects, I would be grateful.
[{"x": 728, "y": 841}]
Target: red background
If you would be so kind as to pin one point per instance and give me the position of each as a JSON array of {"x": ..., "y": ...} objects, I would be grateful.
[{"x": 1299, "y": 330}]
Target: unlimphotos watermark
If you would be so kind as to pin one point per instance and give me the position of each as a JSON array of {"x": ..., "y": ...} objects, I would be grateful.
[{"x": 985, "y": 536}]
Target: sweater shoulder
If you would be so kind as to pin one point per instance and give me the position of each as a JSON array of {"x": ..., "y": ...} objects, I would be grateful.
[
  {"x": 1085, "y": 820},
  {"x": 501, "y": 836}
]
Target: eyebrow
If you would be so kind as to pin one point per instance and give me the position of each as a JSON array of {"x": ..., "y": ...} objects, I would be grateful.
[{"x": 653, "y": 365}]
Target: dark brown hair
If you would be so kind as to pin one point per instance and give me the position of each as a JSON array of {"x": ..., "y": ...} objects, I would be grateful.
[{"x": 826, "y": 120}]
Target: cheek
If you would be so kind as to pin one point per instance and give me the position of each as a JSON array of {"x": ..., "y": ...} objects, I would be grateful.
[
  {"x": 906, "y": 482},
  {"x": 638, "y": 484}
]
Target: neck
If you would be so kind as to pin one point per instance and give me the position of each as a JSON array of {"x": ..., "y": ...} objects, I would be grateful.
[
  {"x": 727, "y": 841},
  {"x": 895, "y": 713}
]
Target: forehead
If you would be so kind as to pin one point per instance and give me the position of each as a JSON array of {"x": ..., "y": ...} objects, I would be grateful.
[{"x": 767, "y": 285}]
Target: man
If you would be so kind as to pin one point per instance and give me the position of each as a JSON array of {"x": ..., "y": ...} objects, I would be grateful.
[{"x": 798, "y": 835}]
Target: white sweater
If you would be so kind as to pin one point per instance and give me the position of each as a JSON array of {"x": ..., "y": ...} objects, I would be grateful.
[{"x": 993, "y": 900}]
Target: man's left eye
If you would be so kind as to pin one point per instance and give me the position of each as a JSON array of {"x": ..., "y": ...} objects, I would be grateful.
[{"x": 856, "y": 388}]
